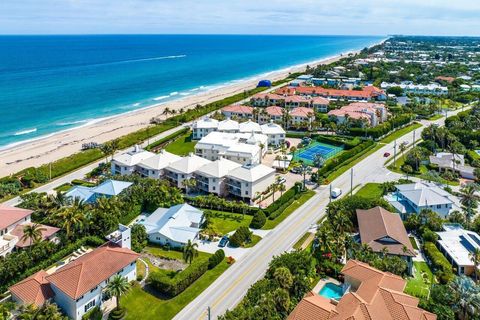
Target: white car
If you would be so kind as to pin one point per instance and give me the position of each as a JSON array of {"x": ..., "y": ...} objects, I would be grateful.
[{"x": 336, "y": 192}]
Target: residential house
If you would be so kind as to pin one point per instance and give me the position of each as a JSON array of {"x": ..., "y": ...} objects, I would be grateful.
[
  {"x": 456, "y": 244},
  {"x": 382, "y": 230},
  {"x": 248, "y": 181},
  {"x": 370, "y": 294},
  {"x": 211, "y": 177},
  {"x": 267, "y": 99},
  {"x": 238, "y": 111},
  {"x": 445, "y": 161},
  {"x": 296, "y": 101},
  {"x": 275, "y": 113},
  {"x": 320, "y": 104},
  {"x": 12, "y": 222},
  {"x": 126, "y": 163},
  {"x": 153, "y": 167},
  {"x": 414, "y": 197},
  {"x": 107, "y": 189},
  {"x": 300, "y": 116},
  {"x": 183, "y": 169},
  {"x": 374, "y": 113},
  {"x": 79, "y": 285},
  {"x": 202, "y": 127},
  {"x": 244, "y": 148},
  {"x": 174, "y": 226},
  {"x": 275, "y": 133}
]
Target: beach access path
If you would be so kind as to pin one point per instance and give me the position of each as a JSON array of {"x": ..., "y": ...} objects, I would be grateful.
[{"x": 228, "y": 290}]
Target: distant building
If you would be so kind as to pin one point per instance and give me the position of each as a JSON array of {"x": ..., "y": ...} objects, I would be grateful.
[
  {"x": 367, "y": 93},
  {"x": 320, "y": 104},
  {"x": 183, "y": 169},
  {"x": 203, "y": 127},
  {"x": 300, "y": 116},
  {"x": 382, "y": 230},
  {"x": 275, "y": 134},
  {"x": 414, "y": 197},
  {"x": 79, "y": 285},
  {"x": 408, "y": 87},
  {"x": 373, "y": 113},
  {"x": 369, "y": 294},
  {"x": 12, "y": 222},
  {"x": 456, "y": 244},
  {"x": 238, "y": 111},
  {"x": 275, "y": 113},
  {"x": 174, "y": 226},
  {"x": 444, "y": 160}
]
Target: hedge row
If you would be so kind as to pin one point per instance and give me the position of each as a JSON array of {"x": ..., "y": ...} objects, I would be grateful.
[
  {"x": 166, "y": 139},
  {"x": 172, "y": 286},
  {"x": 285, "y": 198},
  {"x": 347, "y": 143},
  {"x": 443, "y": 268},
  {"x": 284, "y": 206},
  {"x": 240, "y": 237},
  {"x": 216, "y": 258},
  {"x": 383, "y": 128},
  {"x": 334, "y": 163}
]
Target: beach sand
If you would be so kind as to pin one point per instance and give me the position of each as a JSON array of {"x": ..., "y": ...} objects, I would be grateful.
[{"x": 47, "y": 149}]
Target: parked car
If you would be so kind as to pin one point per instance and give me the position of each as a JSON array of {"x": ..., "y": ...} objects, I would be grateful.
[
  {"x": 223, "y": 242},
  {"x": 336, "y": 192},
  {"x": 282, "y": 180},
  {"x": 295, "y": 170},
  {"x": 386, "y": 154}
]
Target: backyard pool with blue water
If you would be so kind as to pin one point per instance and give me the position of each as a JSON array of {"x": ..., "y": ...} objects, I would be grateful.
[
  {"x": 307, "y": 154},
  {"x": 331, "y": 291}
]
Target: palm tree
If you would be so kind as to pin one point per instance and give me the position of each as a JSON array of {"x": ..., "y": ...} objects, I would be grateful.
[
  {"x": 293, "y": 149},
  {"x": 72, "y": 219},
  {"x": 403, "y": 147},
  {"x": 190, "y": 251},
  {"x": 32, "y": 233},
  {"x": 468, "y": 294},
  {"x": 475, "y": 257},
  {"x": 189, "y": 183},
  {"x": 105, "y": 148},
  {"x": 116, "y": 287},
  {"x": 261, "y": 145},
  {"x": 114, "y": 144},
  {"x": 469, "y": 199}
]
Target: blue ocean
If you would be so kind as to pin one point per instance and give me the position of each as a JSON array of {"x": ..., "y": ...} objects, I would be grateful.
[{"x": 53, "y": 83}]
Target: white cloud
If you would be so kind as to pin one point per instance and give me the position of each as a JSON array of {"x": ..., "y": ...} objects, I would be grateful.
[{"x": 241, "y": 16}]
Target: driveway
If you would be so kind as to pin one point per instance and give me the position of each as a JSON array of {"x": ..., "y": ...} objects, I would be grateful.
[{"x": 212, "y": 247}]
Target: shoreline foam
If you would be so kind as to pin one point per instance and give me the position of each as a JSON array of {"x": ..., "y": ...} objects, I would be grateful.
[{"x": 53, "y": 146}]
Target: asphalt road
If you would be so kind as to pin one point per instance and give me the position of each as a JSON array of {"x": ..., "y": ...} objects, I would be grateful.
[{"x": 228, "y": 290}]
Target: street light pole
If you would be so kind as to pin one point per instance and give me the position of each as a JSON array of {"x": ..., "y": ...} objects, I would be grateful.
[
  {"x": 351, "y": 182},
  {"x": 413, "y": 143},
  {"x": 395, "y": 154}
]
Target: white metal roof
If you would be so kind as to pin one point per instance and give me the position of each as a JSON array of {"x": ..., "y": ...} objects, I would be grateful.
[
  {"x": 188, "y": 164},
  {"x": 459, "y": 243},
  {"x": 272, "y": 128},
  {"x": 205, "y": 123},
  {"x": 250, "y": 126},
  {"x": 228, "y": 125},
  {"x": 218, "y": 168},
  {"x": 159, "y": 161},
  {"x": 423, "y": 194},
  {"x": 251, "y": 173},
  {"x": 132, "y": 158}
]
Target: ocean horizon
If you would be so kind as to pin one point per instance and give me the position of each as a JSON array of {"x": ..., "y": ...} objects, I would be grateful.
[{"x": 54, "y": 83}]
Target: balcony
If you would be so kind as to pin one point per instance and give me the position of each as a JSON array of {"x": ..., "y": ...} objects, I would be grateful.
[{"x": 7, "y": 243}]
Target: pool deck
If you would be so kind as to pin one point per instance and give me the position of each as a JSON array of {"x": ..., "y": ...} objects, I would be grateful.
[{"x": 323, "y": 281}]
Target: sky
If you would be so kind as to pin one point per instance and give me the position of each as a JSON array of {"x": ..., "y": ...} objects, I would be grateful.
[{"x": 349, "y": 17}]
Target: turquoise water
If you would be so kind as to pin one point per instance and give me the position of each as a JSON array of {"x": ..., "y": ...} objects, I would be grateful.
[
  {"x": 307, "y": 155},
  {"x": 53, "y": 83},
  {"x": 331, "y": 291}
]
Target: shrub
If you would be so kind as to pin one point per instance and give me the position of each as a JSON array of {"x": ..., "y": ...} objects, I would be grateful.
[
  {"x": 258, "y": 220},
  {"x": 93, "y": 314},
  {"x": 216, "y": 258},
  {"x": 240, "y": 237},
  {"x": 287, "y": 197},
  {"x": 429, "y": 236},
  {"x": 443, "y": 268},
  {"x": 139, "y": 237},
  {"x": 117, "y": 314},
  {"x": 172, "y": 286}
]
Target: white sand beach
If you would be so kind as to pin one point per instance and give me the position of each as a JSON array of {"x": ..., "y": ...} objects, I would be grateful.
[{"x": 47, "y": 149}]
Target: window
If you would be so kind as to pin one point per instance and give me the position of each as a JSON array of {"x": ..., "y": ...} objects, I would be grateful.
[
  {"x": 94, "y": 289},
  {"x": 213, "y": 188},
  {"x": 439, "y": 206},
  {"x": 90, "y": 305}
]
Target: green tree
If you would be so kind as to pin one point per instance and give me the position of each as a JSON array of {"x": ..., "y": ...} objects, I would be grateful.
[
  {"x": 32, "y": 233},
  {"x": 259, "y": 220},
  {"x": 190, "y": 251},
  {"x": 284, "y": 277},
  {"x": 117, "y": 287},
  {"x": 475, "y": 257},
  {"x": 469, "y": 200}
]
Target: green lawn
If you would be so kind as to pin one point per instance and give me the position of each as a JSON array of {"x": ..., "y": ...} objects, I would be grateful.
[
  {"x": 371, "y": 191},
  {"x": 401, "y": 132},
  {"x": 270, "y": 224},
  {"x": 299, "y": 243},
  {"x": 140, "y": 304},
  {"x": 254, "y": 241},
  {"x": 419, "y": 285},
  {"x": 171, "y": 254},
  {"x": 414, "y": 243},
  {"x": 183, "y": 145},
  {"x": 140, "y": 269},
  {"x": 225, "y": 222},
  {"x": 435, "y": 117}
]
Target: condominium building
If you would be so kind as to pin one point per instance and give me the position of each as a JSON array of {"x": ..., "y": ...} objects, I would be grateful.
[
  {"x": 183, "y": 169},
  {"x": 373, "y": 113},
  {"x": 203, "y": 127},
  {"x": 249, "y": 181},
  {"x": 211, "y": 177}
]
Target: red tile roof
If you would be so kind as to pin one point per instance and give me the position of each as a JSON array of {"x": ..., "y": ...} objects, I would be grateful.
[
  {"x": 91, "y": 269},
  {"x": 320, "y": 100},
  {"x": 378, "y": 296},
  {"x": 238, "y": 109},
  {"x": 367, "y": 92},
  {"x": 11, "y": 215},
  {"x": 18, "y": 231},
  {"x": 301, "y": 112},
  {"x": 34, "y": 289},
  {"x": 274, "y": 111},
  {"x": 376, "y": 224}
]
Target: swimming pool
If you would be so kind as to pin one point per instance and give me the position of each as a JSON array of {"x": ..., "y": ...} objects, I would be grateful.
[
  {"x": 308, "y": 153},
  {"x": 331, "y": 291}
]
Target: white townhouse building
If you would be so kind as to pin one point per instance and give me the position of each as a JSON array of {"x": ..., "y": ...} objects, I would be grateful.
[
  {"x": 275, "y": 133},
  {"x": 79, "y": 285},
  {"x": 243, "y": 148},
  {"x": 414, "y": 197},
  {"x": 249, "y": 127},
  {"x": 153, "y": 167},
  {"x": 228, "y": 125},
  {"x": 126, "y": 163},
  {"x": 409, "y": 87},
  {"x": 247, "y": 181},
  {"x": 183, "y": 169},
  {"x": 174, "y": 226},
  {"x": 211, "y": 177},
  {"x": 203, "y": 127}
]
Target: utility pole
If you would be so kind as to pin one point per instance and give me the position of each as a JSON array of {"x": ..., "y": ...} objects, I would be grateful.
[
  {"x": 209, "y": 313},
  {"x": 351, "y": 182},
  {"x": 330, "y": 194},
  {"x": 395, "y": 154},
  {"x": 50, "y": 170},
  {"x": 413, "y": 142}
]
